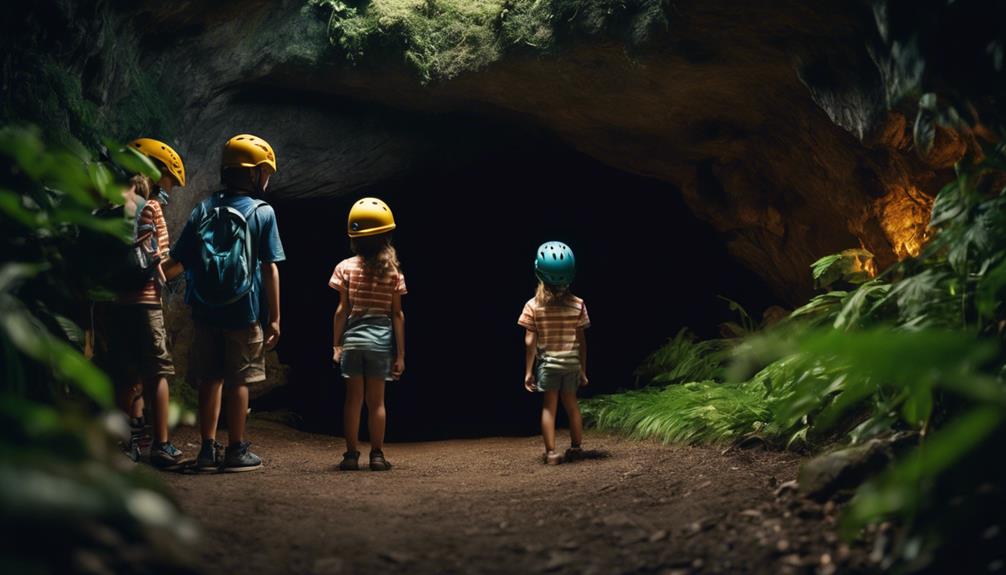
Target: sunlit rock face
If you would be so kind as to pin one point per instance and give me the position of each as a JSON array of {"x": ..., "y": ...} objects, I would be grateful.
[{"x": 771, "y": 121}]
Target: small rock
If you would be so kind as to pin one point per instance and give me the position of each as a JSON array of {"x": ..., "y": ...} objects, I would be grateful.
[
  {"x": 825, "y": 559},
  {"x": 786, "y": 487},
  {"x": 782, "y": 546},
  {"x": 504, "y": 525},
  {"x": 396, "y": 556},
  {"x": 793, "y": 560},
  {"x": 751, "y": 513},
  {"x": 658, "y": 536},
  {"x": 698, "y": 563}
]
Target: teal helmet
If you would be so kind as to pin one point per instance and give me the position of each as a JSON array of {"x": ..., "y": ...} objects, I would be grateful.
[{"x": 554, "y": 264}]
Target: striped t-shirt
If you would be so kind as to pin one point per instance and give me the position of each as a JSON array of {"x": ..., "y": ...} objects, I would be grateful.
[
  {"x": 368, "y": 295},
  {"x": 151, "y": 215},
  {"x": 556, "y": 323},
  {"x": 370, "y": 298}
]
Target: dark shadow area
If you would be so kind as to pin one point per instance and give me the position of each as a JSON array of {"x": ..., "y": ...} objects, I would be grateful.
[{"x": 466, "y": 238}]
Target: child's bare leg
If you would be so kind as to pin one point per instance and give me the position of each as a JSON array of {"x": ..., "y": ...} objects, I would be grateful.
[
  {"x": 548, "y": 409},
  {"x": 156, "y": 391},
  {"x": 575, "y": 421},
  {"x": 138, "y": 404},
  {"x": 351, "y": 412},
  {"x": 126, "y": 397},
  {"x": 376, "y": 415},
  {"x": 210, "y": 397},
  {"x": 237, "y": 413}
]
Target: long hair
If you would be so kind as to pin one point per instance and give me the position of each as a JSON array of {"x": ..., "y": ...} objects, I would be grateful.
[
  {"x": 142, "y": 185},
  {"x": 379, "y": 257},
  {"x": 548, "y": 294}
]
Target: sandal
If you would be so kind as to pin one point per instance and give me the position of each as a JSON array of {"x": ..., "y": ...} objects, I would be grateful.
[
  {"x": 377, "y": 461},
  {"x": 350, "y": 461},
  {"x": 573, "y": 453},
  {"x": 552, "y": 458}
]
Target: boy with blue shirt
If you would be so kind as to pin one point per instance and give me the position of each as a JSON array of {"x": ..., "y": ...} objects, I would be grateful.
[{"x": 229, "y": 249}]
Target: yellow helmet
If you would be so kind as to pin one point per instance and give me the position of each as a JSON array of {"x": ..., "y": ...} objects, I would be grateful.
[
  {"x": 248, "y": 151},
  {"x": 163, "y": 154},
  {"x": 369, "y": 217}
]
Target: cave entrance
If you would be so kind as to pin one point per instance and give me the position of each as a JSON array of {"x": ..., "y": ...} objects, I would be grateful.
[{"x": 466, "y": 238}]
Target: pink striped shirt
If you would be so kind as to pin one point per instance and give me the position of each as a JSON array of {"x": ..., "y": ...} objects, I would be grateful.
[
  {"x": 556, "y": 323},
  {"x": 151, "y": 293},
  {"x": 368, "y": 295}
]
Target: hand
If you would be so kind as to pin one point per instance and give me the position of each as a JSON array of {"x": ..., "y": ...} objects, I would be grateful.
[
  {"x": 337, "y": 354},
  {"x": 271, "y": 335},
  {"x": 584, "y": 382},
  {"x": 398, "y": 367},
  {"x": 529, "y": 382}
]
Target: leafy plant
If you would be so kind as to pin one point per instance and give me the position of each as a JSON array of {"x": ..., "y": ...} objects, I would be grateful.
[
  {"x": 684, "y": 358},
  {"x": 62, "y": 478}
]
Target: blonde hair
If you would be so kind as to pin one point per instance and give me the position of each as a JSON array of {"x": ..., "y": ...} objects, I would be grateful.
[
  {"x": 142, "y": 185},
  {"x": 379, "y": 257},
  {"x": 548, "y": 294}
]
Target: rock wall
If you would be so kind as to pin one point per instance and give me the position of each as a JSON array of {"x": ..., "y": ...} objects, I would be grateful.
[{"x": 772, "y": 121}]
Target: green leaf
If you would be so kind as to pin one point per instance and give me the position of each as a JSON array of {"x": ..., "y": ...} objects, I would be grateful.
[
  {"x": 899, "y": 489},
  {"x": 918, "y": 406},
  {"x": 132, "y": 162},
  {"x": 924, "y": 132},
  {"x": 850, "y": 265},
  {"x": 12, "y": 275},
  {"x": 31, "y": 338}
]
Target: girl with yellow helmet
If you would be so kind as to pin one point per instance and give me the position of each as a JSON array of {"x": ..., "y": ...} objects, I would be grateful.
[
  {"x": 137, "y": 337},
  {"x": 368, "y": 340}
]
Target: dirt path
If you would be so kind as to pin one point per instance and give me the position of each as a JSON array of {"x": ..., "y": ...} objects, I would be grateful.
[{"x": 490, "y": 506}]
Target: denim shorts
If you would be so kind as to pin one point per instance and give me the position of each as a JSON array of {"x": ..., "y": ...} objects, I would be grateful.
[
  {"x": 364, "y": 363},
  {"x": 564, "y": 381}
]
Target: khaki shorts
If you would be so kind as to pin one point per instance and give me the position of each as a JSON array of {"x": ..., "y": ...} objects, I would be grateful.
[
  {"x": 135, "y": 344},
  {"x": 236, "y": 356}
]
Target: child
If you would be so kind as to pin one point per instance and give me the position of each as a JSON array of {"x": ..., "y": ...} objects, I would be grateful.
[
  {"x": 368, "y": 339},
  {"x": 229, "y": 249},
  {"x": 137, "y": 336},
  {"x": 554, "y": 320}
]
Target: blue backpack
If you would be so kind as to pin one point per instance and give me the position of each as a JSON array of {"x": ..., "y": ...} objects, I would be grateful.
[{"x": 227, "y": 255}]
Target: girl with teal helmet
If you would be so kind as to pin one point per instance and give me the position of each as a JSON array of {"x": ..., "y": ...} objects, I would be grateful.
[
  {"x": 556, "y": 350},
  {"x": 554, "y": 264}
]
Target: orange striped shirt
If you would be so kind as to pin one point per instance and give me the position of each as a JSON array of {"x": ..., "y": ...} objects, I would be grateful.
[
  {"x": 556, "y": 323},
  {"x": 368, "y": 295},
  {"x": 151, "y": 293}
]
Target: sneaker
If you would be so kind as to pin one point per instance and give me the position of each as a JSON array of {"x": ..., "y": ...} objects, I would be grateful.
[
  {"x": 350, "y": 461},
  {"x": 209, "y": 458},
  {"x": 239, "y": 458},
  {"x": 164, "y": 455},
  {"x": 131, "y": 449},
  {"x": 552, "y": 458},
  {"x": 377, "y": 461},
  {"x": 574, "y": 452}
]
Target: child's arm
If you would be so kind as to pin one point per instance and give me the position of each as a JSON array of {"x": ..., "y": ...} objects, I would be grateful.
[
  {"x": 398, "y": 323},
  {"x": 171, "y": 268},
  {"x": 581, "y": 342},
  {"x": 270, "y": 278},
  {"x": 530, "y": 349},
  {"x": 338, "y": 327}
]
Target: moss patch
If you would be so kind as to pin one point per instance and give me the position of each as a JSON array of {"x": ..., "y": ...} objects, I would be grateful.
[{"x": 441, "y": 39}]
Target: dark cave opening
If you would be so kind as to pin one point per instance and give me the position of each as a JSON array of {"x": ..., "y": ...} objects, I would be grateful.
[{"x": 466, "y": 236}]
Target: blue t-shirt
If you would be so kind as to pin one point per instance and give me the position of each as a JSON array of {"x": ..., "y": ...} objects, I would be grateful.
[{"x": 265, "y": 232}]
